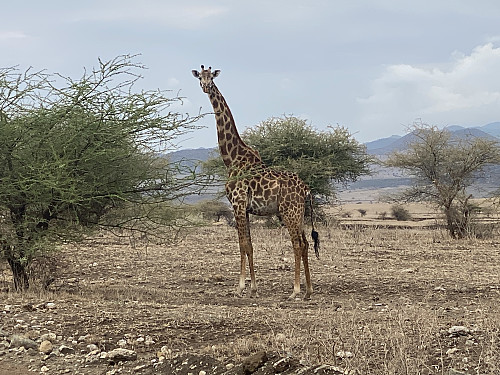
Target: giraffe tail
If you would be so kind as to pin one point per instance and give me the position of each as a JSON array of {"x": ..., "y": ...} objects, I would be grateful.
[{"x": 314, "y": 234}]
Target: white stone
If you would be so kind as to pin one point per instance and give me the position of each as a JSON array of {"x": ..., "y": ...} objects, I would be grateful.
[
  {"x": 451, "y": 351},
  {"x": 459, "y": 331},
  {"x": 344, "y": 354},
  {"x": 120, "y": 354},
  {"x": 45, "y": 347}
]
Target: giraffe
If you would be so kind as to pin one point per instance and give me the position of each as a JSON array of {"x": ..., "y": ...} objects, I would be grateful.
[{"x": 253, "y": 188}]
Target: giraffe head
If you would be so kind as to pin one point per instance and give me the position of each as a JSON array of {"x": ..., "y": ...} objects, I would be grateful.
[{"x": 206, "y": 77}]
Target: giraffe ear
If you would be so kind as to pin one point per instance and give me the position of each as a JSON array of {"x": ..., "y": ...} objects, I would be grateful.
[
  {"x": 216, "y": 73},
  {"x": 195, "y": 73}
]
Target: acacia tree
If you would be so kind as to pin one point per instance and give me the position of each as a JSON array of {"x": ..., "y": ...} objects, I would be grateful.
[
  {"x": 320, "y": 158},
  {"x": 72, "y": 155},
  {"x": 443, "y": 167}
]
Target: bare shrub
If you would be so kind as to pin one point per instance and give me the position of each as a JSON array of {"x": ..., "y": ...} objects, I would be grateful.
[
  {"x": 44, "y": 270},
  {"x": 463, "y": 221},
  {"x": 362, "y": 212}
]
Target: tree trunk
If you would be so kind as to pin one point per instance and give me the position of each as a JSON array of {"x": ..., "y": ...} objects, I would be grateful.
[{"x": 21, "y": 282}]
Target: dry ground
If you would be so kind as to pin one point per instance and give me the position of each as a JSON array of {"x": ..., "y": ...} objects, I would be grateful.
[{"x": 387, "y": 301}]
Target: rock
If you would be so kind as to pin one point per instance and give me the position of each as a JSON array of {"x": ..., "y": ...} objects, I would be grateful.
[
  {"x": 44, "y": 369},
  {"x": 45, "y": 347},
  {"x": 63, "y": 349},
  {"x": 140, "y": 367},
  {"x": 16, "y": 341},
  {"x": 284, "y": 364},
  {"x": 121, "y": 355},
  {"x": 451, "y": 351},
  {"x": 49, "y": 337},
  {"x": 344, "y": 354},
  {"x": 459, "y": 331},
  {"x": 252, "y": 363},
  {"x": 92, "y": 347},
  {"x": 280, "y": 337}
]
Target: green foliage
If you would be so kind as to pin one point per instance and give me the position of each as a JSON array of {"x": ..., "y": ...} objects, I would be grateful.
[
  {"x": 214, "y": 210},
  {"x": 400, "y": 213},
  {"x": 318, "y": 157},
  {"x": 71, "y": 155},
  {"x": 443, "y": 168}
]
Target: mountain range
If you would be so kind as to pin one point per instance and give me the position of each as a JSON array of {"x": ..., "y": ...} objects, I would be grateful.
[
  {"x": 381, "y": 178},
  {"x": 384, "y": 146}
]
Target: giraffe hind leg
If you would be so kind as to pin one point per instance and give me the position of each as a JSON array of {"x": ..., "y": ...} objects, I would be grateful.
[
  {"x": 300, "y": 249},
  {"x": 305, "y": 261}
]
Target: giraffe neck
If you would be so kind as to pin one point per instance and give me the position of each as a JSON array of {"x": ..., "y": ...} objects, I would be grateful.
[{"x": 234, "y": 152}]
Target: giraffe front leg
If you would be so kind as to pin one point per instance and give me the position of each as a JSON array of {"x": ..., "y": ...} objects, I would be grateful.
[
  {"x": 253, "y": 283},
  {"x": 246, "y": 250},
  {"x": 296, "y": 280},
  {"x": 241, "y": 284}
]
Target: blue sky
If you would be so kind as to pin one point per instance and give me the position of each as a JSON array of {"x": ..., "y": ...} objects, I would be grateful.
[{"x": 372, "y": 66}]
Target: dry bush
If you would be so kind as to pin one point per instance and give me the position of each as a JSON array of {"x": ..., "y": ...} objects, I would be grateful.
[
  {"x": 400, "y": 213},
  {"x": 214, "y": 210},
  {"x": 46, "y": 270},
  {"x": 362, "y": 212}
]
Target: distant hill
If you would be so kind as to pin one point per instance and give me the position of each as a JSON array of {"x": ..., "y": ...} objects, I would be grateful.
[
  {"x": 380, "y": 146},
  {"x": 381, "y": 143},
  {"x": 381, "y": 178},
  {"x": 190, "y": 157},
  {"x": 401, "y": 143},
  {"x": 492, "y": 129}
]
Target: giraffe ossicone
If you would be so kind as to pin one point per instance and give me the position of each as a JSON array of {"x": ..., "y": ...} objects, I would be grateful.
[{"x": 253, "y": 188}]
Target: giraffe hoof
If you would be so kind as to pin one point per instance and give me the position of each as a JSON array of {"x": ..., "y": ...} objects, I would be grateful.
[{"x": 293, "y": 296}]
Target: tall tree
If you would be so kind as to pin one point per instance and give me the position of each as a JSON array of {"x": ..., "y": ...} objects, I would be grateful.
[
  {"x": 320, "y": 158},
  {"x": 72, "y": 155},
  {"x": 443, "y": 167}
]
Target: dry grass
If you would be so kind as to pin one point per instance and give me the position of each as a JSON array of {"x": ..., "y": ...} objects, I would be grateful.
[{"x": 383, "y": 304}]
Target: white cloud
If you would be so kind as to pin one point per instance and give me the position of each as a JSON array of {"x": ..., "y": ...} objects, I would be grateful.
[
  {"x": 173, "y": 83},
  {"x": 466, "y": 90},
  {"x": 12, "y": 35},
  {"x": 181, "y": 15}
]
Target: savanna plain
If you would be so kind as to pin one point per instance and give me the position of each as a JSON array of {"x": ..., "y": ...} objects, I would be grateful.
[{"x": 390, "y": 297}]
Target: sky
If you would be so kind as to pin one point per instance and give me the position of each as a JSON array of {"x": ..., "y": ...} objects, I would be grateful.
[{"x": 374, "y": 67}]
